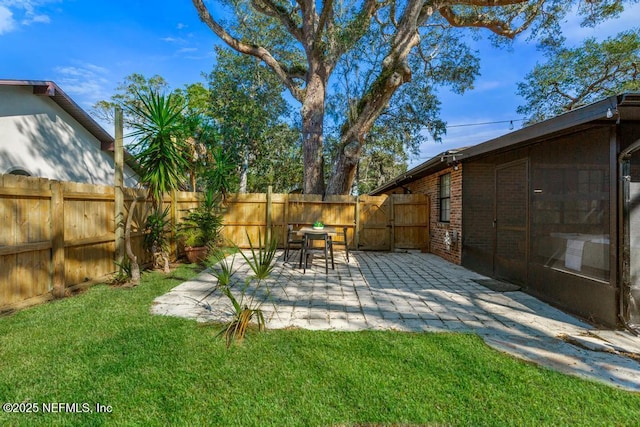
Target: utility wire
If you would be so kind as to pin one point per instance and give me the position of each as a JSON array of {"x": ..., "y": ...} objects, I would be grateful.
[
  {"x": 475, "y": 124},
  {"x": 484, "y": 123}
]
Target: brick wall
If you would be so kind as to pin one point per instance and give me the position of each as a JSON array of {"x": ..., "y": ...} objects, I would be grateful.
[{"x": 429, "y": 185}]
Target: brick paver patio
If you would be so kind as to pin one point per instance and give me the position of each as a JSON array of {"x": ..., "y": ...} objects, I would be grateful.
[{"x": 416, "y": 292}]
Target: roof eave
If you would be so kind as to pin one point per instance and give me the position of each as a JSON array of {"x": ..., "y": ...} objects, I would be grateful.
[{"x": 590, "y": 113}]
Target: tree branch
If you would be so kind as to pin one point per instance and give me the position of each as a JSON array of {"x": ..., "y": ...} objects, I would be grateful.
[
  {"x": 560, "y": 92},
  {"x": 327, "y": 10},
  {"x": 395, "y": 72},
  {"x": 309, "y": 21},
  {"x": 253, "y": 50},
  {"x": 596, "y": 85},
  {"x": 488, "y": 3},
  {"x": 479, "y": 20},
  {"x": 269, "y": 8}
]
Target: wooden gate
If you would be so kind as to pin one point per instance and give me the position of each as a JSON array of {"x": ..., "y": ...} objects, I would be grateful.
[{"x": 396, "y": 221}]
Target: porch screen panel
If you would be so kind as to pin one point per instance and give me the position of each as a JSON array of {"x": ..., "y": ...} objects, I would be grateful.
[
  {"x": 511, "y": 222},
  {"x": 633, "y": 309},
  {"x": 570, "y": 205}
]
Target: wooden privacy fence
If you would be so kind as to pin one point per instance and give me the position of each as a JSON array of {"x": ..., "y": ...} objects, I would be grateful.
[
  {"x": 387, "y": 222},
  {"x": 54, "y": 235}
]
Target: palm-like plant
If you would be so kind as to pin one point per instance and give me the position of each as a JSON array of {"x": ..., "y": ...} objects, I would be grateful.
[
  {"x": 202, "y": 225},
  {"x": 160, "y": 149}
]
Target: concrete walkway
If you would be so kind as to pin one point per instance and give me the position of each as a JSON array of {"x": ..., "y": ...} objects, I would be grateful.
[{"x": 418, "y": 292}]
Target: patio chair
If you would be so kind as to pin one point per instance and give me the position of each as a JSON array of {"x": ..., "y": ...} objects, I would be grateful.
[
  {"x": 342, "y": 242},
  {"x": 293, "y": 241},
  {"x": 308, "y": 250}
]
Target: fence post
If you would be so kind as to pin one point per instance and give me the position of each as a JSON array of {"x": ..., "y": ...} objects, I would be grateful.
[
  {"x": 286, "y": 219},
  {"x": 269, "y": 213},
  {"x": 392, "y": 220},
  {"x": 118, "y": 184},
  {"x": 57, "y": 239},
  {"x": 356, "y": 231},
  {"x": 173, "y": 248}
]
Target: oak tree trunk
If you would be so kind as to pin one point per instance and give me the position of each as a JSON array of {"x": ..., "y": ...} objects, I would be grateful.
[
  {"x": 345, "y": 167},
  {"x": 244, "y": 173},
  {"x": 312, "y": 128},
  {"x": 395, "y": 72}
]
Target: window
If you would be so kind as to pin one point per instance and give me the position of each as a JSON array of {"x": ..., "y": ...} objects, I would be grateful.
[
  {"x": 18, "y": 171},
  {"x": 445, "y": 197}
]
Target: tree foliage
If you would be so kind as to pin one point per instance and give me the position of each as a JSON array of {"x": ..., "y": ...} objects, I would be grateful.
[
  {"x": 240, "y": 115},
  {"x": 126, "y": 96},
  {"x": 303, "y": 42},
  {"x": 412, "y": 115},
  {"x": 252, "y": 119},
  {"x": 572, "y": 78}
]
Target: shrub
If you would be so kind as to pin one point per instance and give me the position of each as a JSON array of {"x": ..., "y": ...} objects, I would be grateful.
[{"x": 202, "y": 225}]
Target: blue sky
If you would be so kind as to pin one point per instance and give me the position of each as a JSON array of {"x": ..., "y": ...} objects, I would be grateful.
[{"x": 88, "y": 46}]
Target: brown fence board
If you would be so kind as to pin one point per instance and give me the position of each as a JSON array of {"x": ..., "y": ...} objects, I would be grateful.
[
  {"x": 411, "y": 221},
  {"x": 60, "y": 234}
]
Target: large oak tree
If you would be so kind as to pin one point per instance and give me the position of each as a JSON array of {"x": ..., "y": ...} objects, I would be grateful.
[
  {"x": 574, "y": 77},
  {"x": 302, "y": 41}
]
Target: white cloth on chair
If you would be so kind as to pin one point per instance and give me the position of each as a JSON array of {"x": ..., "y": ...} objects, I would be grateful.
[{"x": 573, "y": 255}]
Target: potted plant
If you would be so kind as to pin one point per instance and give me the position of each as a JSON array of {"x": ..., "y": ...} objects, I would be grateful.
[
  {"x": 200, "y": 229},
  {"x": 318, "y": 225},
  {"x": 194, "y": 246}
]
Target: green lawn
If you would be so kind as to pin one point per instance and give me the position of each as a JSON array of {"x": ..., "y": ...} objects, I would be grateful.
[{"x": 104, "y": 347}]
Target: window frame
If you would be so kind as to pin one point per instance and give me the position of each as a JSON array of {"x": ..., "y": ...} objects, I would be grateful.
[{"x": 444, "y": 198}]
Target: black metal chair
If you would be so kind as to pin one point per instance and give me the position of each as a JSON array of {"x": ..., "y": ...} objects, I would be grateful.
[
  {"x": 308, "y": 250},
  {"x": 293, "y": 241},
  {"x": 342, "y": 242}
]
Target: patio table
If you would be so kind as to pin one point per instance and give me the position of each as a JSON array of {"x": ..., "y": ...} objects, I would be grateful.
[{"x": 329, "y": 231}]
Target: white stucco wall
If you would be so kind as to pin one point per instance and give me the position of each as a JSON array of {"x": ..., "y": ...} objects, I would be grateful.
[{"x": 37, "y": 135}]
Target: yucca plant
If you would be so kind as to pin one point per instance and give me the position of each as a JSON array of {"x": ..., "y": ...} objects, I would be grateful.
[
  {"x": 247, "y": 309},
  {"x": 160, "y": 151},
  {"x": 123, "y": 274},
  {"x": 223, "y": 269},
  {"x": 235, "y": 330},
  {"x": 155, "y": 238},
  {"x": 262, "y": 260},
  {"x": 202, "y": 225},
  {"x": 160, "y": 148}
]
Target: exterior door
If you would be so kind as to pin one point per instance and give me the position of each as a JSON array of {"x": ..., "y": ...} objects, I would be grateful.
[{"x": 511, "y": 221}]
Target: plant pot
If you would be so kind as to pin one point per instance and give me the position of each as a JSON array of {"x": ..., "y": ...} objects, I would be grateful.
[{"x": 196, "y": 254}]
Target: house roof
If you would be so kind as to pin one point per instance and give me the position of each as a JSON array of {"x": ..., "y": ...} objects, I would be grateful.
[
  {"x": 610, "y": 110},
  {"x": 53, "y": 91}
]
